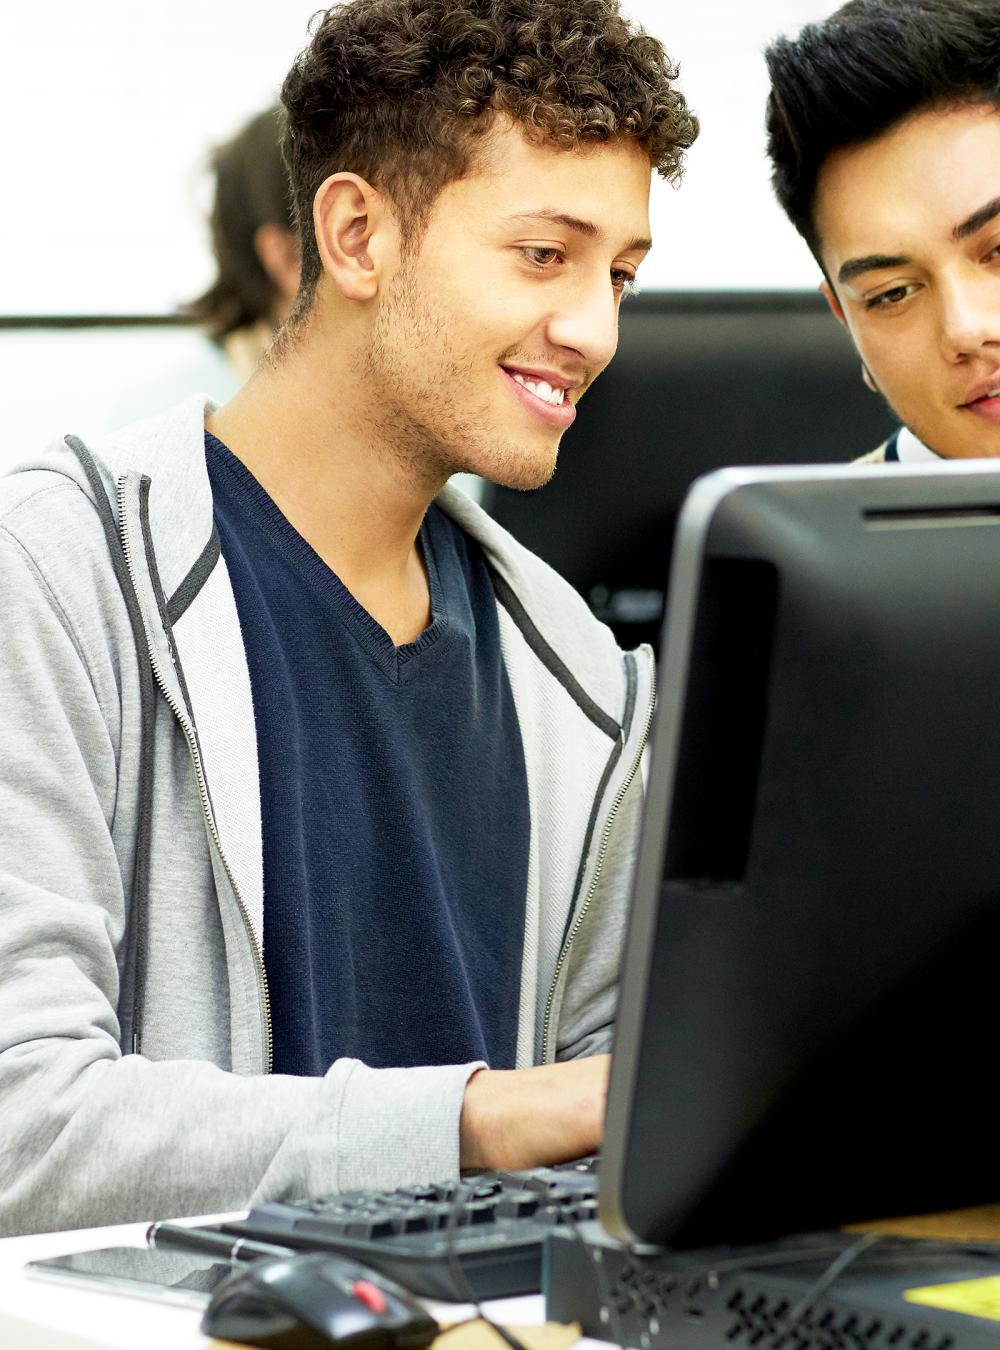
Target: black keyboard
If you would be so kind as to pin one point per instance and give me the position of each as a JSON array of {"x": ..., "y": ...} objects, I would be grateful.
[{"x": 491, "y": 1226}]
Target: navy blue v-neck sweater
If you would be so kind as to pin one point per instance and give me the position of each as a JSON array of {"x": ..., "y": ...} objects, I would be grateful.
[{"x": 393, "y": 798}]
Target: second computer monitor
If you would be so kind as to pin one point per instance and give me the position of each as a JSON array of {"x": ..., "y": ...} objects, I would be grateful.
[{"x": 809, "y": 1012}]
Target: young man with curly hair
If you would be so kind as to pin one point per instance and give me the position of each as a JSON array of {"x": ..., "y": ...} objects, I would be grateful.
[
  {"x": 884, "y": 135},
  {"x": 320, "y": 793}
]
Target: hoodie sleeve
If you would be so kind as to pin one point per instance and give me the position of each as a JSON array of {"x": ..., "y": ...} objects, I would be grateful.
[{"x": 92, "y": 1136}]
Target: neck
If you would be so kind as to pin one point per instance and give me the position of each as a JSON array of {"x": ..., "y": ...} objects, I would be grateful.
[{"x": 303, "y": 428}]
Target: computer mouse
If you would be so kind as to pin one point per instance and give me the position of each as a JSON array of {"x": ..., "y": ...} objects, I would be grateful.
[{"x": 314, "y": 1301}]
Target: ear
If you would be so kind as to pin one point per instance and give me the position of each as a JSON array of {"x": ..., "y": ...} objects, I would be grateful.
[
  {"x": 348, "y": 213},
  {"x": 833, "y": 302},
  {"x": 278, "y": 251},
  {"x": 835, "y": 306}
]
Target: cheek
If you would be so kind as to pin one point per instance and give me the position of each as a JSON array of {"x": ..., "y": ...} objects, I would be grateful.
[
  {"x": 897, "y": 354},
  {"x": 476, "y": 308}
]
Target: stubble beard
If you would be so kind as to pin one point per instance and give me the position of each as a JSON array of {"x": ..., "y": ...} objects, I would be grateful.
[
  {"x": 913, "y": 424},
  {"x": 411, "y": 368}
]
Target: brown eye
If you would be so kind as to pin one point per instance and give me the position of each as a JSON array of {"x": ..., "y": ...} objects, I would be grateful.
[
  {"x": 542, "y": 257},
  {"x": 888, "y": 298}
]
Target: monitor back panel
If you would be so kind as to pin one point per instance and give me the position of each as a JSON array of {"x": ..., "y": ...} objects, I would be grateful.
[{"x": 810, "y": 995}]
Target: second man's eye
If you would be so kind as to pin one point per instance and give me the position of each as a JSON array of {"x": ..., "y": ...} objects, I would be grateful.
[
  {"x": 895, "y": 295},
  {"x": 542, "y": 257}
]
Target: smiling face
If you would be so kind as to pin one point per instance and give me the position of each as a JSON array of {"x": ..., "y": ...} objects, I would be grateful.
[
  {"x": 486, "y": 336},
  {"x": 909, "y": 230}
]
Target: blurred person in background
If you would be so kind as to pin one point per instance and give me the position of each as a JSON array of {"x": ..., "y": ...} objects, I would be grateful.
[
  {"x": 254, "y": 243},
  {"x": 256, "y": 253},
  {"x": 884, "y": 136}
]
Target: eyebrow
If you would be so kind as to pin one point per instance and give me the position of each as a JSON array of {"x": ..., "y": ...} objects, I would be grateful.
[
  {"x": 977, "y": 220},
  {"x": 875, "y": 262},
  {"x": 587, "y": 228}
]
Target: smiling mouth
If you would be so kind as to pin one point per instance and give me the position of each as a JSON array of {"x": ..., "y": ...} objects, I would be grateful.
[
  {"x": 556, "y": 395},
  {"x": 982, "y": 398}
]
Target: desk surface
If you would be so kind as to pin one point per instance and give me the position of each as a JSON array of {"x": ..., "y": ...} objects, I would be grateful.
[{"x": 37, "y": 1315}]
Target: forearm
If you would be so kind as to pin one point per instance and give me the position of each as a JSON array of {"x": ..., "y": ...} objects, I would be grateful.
[{"x": 94, "y": 1138}]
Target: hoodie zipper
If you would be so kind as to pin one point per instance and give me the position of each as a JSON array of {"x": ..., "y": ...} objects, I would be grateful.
[
  {"x": 598, "y": 869},
  {"x": 181, "y": 716}
]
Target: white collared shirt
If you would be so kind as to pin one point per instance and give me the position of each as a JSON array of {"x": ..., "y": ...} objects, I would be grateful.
[{"x": 912, "y": 451}]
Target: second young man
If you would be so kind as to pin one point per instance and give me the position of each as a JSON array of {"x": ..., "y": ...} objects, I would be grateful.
[{"x": 884, "y": 135}]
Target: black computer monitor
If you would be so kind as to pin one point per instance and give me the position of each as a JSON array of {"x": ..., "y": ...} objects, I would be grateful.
[
  {"x": 701, "y": 381},
  {"x": 810, "y": 1005}
]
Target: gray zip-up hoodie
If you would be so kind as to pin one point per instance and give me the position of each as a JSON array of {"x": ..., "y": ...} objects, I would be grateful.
[{"x": 134, "y": 1016}]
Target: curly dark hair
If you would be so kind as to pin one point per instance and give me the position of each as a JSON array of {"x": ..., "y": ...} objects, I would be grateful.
[
  {"x": 399, "y": 90},
  {"x": 862, "y": 71}
]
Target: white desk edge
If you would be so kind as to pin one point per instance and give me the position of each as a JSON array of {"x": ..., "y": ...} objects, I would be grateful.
[{"x": 39, "y": 1315}]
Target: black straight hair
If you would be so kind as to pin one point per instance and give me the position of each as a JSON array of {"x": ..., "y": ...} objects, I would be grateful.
[{"x": 862, "y": 71}]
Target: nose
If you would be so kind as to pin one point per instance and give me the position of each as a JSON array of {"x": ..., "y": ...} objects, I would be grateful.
[
  {"x": 586, "y": 321},
  {"x": 970, "y": 316}
]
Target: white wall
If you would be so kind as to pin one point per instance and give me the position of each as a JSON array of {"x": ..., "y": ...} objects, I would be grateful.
[
  {"x": 722, "y": 228},
  {"x": 109, "y": 107}
]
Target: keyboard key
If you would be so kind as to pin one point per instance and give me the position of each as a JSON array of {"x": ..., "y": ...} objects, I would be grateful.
[
  {"x": 413, "y": 1221},
  {"x": 517, "y": 1204},
  {"x": 416, "y": 1192},
  {"x": 447, "y": 1190},
  {"x": 481, "y": 1211},
  {"x": 482, "y": 1190},
  {"x": 550, "y": 1215}
]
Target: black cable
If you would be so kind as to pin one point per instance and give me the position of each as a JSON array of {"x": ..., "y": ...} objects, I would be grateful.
[
  {"x": 752, "y": 1261},
  {"x": 460, "y": 1280},
  {"x": 455, "y": 1326},
  {"x": 832, "y": 1273}
]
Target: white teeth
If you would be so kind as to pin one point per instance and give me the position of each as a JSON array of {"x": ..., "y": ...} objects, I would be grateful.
[
  {"x": 542, "y": 389},
  {"x": 994, "y": 394}
]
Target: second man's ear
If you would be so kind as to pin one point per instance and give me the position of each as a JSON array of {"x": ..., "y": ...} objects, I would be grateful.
[
  {"x": 833, "y": 302},
  {"x": 348, "y": 213},
  {"x": 837, "y": 309}
]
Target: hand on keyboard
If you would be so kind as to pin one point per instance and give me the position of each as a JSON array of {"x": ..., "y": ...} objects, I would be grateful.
[{"x": 518, "y": 1118}]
